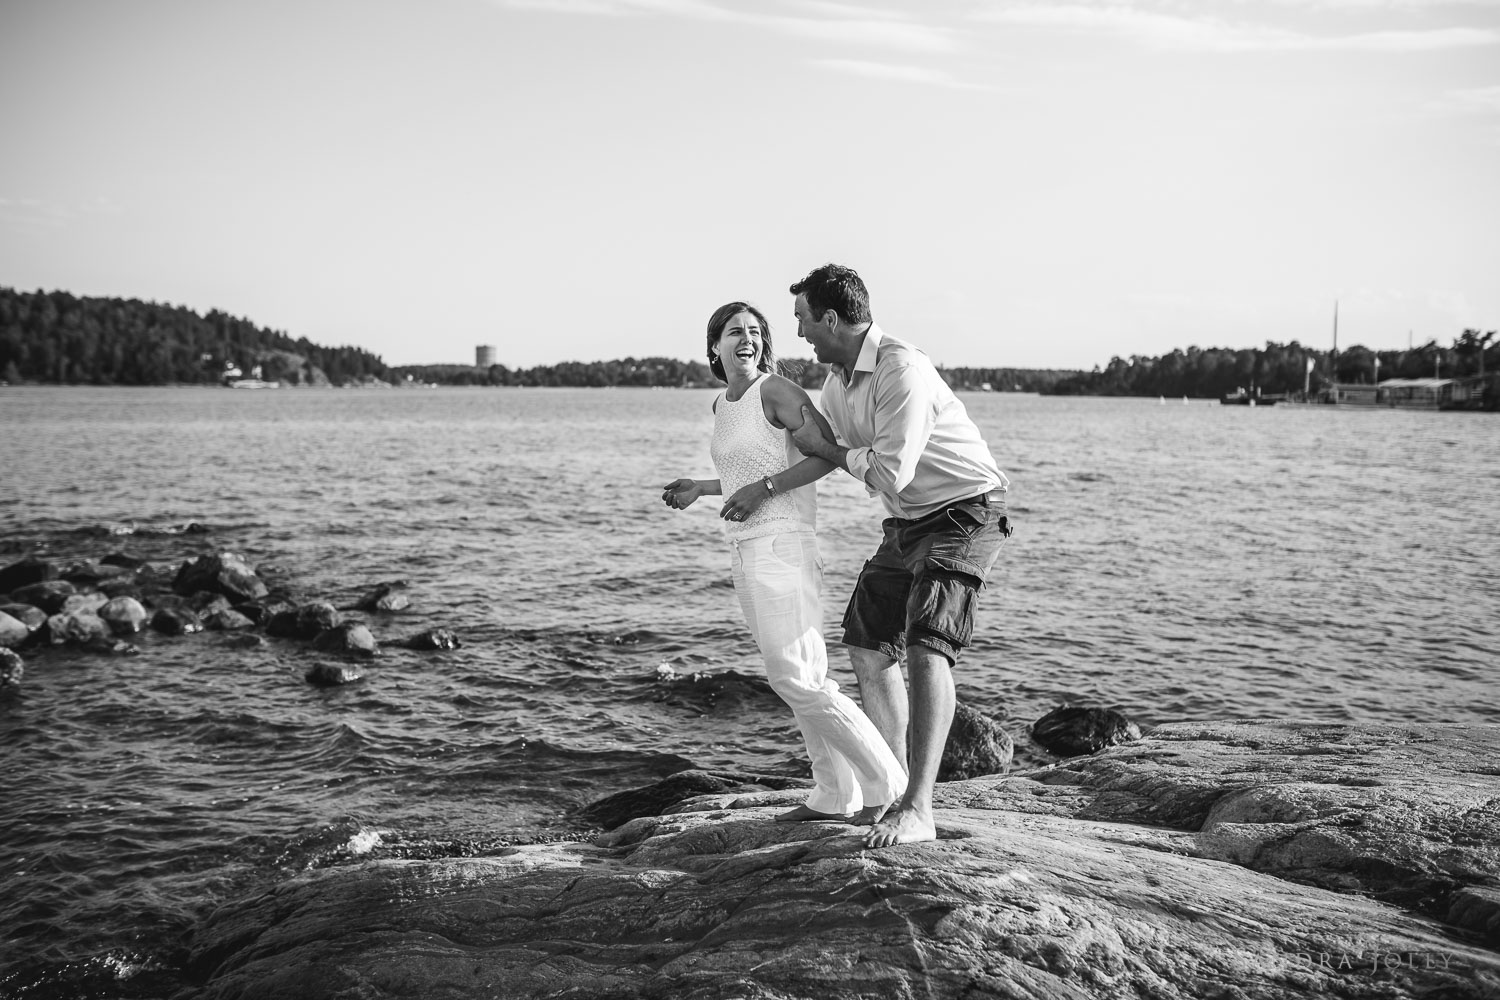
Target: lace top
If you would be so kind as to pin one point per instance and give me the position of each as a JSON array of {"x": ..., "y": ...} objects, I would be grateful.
[{"x": 747, "y": 449}]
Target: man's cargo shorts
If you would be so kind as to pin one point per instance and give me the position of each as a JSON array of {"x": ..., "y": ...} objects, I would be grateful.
[{"x": 922, "y": 583}]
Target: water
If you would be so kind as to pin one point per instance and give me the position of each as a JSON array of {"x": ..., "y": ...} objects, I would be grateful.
[{"x": 1179, "y": 562}]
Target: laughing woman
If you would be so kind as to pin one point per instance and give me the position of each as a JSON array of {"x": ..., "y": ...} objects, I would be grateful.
[{"x": 769, "y": 522}]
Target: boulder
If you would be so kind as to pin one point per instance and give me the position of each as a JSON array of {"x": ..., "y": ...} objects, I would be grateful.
[
  {"x": 1192, "y": 864},
  {"x": 86, "y": 601},
  {"x": 207, "y": 603},
  {"x": 433, "y": 638},
  {"x": 222, "y": 573},
  {"x": 1070, "y": 731},
  {"x": 29, "y": 615},
  {"x": 48, "y": 595},
  {"x": 349, "y": 638},
  {"x": 977, "y": 745},
  {"x": 389, "y": 596},
  {"x": 305, "y": 622},
  {"x": 78, "y": 628},
  {"x": 124, "y": 615},
  {"x": 176, "y": 621},
  {"x": 12, "y": 669},
  {"x": 24, "y": 572},
  {"x": 12, "y": 632},
  {"x": 123, "y": 559},
  {"x": 91, "y": 574},
  {"x": 262, "y": 611},
  {"x": 123, "y": 586},
  {"x": 333, "y": 674},
  {"x": 226, "y": 620}
]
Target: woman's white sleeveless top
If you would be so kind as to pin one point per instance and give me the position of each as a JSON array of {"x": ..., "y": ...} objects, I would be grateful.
[{"x": 746, "y": 449}]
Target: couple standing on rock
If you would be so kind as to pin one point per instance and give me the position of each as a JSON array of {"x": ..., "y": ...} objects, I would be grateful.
[{"x": 890, "y": 421}]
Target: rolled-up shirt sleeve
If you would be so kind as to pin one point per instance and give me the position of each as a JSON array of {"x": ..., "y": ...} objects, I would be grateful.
[{"x": 907, "y": 411}]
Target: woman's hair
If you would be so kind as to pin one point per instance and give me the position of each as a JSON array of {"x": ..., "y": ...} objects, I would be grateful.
[{"x": 720, "y": 319}]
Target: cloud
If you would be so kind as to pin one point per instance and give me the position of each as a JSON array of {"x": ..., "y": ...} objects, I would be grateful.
[
  {"x": 903, "y": 74},
  {"x": 1160, "y": 30},
  {"x": 839, "y": 24}
]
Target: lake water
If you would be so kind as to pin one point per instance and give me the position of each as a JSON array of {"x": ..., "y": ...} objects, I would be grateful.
[{"x": 1178, "y": 561}]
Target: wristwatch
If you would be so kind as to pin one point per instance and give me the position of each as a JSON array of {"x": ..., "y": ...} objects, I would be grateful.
[{"x": 770, "y": 486}]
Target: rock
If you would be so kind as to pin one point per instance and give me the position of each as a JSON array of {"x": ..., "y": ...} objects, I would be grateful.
[
  {"x": 433, "y": 638},
  {"x": 262, "y": 611},
  {"x": 350, "y": 638},
  {"x": 333, "y": 674},
  {"x": 124, "y": 615},
  {"x": 976, "y": 746},
  {"x": 1105, "y": 877},
  {"x": 123, "y": 559},
  {"x": 227, "y": 620},
  {"x": 305, "y": 622},
  {"x": 12, "y": 631},
  {"x": 29, "y": 615},
  {"x": 12, "y": 669},
  {"x": 91, "y": 574},
  {"x": 112, "y": 647},
  {"x": 1070, "y": 732},
  {"x": 89, "y": 602},
  {"x": 123, "y": 586},
  {"x": 389, "y": 596},
  {"x": 1477, "y": 907},
  {"x": 222, "y": 573},
  {"x": 48, "y": 595},
  {"x": 176, "y": 621},
  {"x": 78, "y": 628},
  {"x": 25, "y": 572},
  {"x": 207, "y": 603},
  {"x": 659, "y": 798}
]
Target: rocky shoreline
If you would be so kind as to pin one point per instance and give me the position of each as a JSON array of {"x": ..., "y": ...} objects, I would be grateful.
[{"x": 1249, "y": 859}]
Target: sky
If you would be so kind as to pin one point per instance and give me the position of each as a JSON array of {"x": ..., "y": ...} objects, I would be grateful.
[{"x": 1020, "y": 183}]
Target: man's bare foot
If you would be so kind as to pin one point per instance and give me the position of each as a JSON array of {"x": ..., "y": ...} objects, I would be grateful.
[
  {"x": 901, "y": 826},
  {"x": 870, "y": 815},
  {"x": 802, "y": 814}
]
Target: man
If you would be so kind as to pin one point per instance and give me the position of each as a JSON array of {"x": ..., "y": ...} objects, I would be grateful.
[{"x": 903, "y": 433}]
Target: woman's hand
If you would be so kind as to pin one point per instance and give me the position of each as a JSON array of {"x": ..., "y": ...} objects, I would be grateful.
[
  {"x": 746, "y": 501},
  {"x": 679, "y": 494}
]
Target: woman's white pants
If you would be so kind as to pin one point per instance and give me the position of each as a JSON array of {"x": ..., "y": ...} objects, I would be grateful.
[{"x": 779, "y": 581}]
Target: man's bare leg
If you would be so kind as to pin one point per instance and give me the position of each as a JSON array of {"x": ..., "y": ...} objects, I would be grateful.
[
  {"x": 932, "y": 704},
  {"x": 882, "y": 694}
]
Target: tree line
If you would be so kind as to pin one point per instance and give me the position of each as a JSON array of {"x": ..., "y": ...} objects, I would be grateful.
[
  {"x": 63, "y": 339},
  {"x": 1280, "y": 368},
  {"x": 59, "y": 338}
]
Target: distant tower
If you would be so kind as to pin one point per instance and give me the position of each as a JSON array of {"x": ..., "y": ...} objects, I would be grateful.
[{"x": 484, "y": 355}]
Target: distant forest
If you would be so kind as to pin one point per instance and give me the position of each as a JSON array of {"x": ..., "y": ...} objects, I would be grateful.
[{"x": 58, "y": 338}]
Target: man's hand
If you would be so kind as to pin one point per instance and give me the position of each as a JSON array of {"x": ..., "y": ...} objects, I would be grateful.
[
  {"x": 809, "y": 438},
  {"x": 680, "y": 493}
]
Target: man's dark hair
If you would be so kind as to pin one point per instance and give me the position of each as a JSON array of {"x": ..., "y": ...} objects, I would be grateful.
[{"x": 835, "y": 287}]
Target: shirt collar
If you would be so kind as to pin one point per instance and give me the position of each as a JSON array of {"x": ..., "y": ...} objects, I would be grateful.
[{"x": 867, "y": 354}]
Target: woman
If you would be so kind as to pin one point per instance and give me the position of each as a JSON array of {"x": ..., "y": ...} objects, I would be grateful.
[{"x": 769, "y": 523}]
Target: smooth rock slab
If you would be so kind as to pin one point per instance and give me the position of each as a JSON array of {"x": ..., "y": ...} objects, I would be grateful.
[{"x": 1029, "y": 892}]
